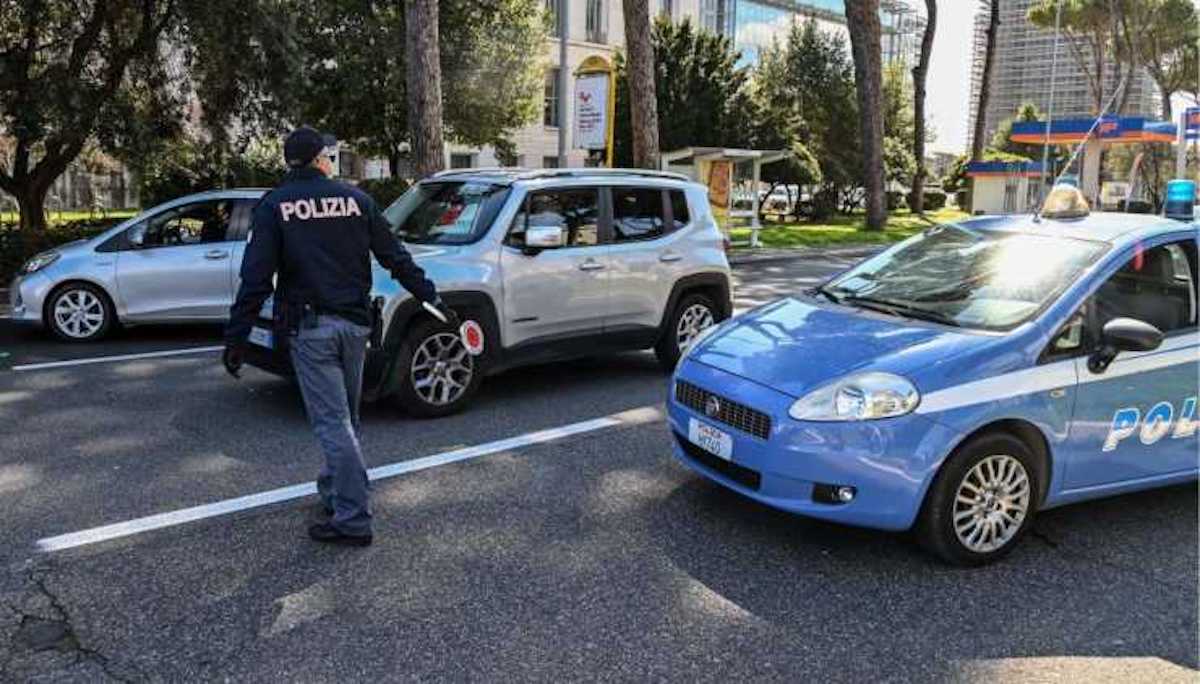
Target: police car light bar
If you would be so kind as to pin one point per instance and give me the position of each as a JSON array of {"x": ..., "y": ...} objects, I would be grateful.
[{"x": 1181, "y": 200}]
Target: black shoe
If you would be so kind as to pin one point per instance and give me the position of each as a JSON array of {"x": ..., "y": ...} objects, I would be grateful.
[{"x": 331, "y": 535}]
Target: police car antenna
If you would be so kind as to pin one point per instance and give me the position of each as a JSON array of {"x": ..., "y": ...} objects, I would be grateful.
[{"x": 1037, "y": 217}]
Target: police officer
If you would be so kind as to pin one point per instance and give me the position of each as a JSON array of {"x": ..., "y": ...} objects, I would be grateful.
[{"x": 318, "y": 235}]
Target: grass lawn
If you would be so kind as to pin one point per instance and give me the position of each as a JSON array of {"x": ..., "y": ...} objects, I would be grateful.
[
  {"x": 844, "y": 230},
  {"x": 68, "y": 216}
]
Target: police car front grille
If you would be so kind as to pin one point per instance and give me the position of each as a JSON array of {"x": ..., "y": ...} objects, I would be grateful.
[{"x": 737, "y": 416}]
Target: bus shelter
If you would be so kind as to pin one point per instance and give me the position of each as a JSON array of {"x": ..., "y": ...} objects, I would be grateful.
[{"x": 730, "y": 174}]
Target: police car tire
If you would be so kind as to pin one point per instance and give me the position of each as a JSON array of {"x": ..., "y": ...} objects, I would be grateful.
[
  {"x": 406, "y": 394},
  {"x": 107, "y": 311},
  {"x": 935, "y": 528},
  {"x": 667, "y": 350}
]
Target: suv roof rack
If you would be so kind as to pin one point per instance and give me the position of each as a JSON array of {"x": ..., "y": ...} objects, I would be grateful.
[
  {"x": 583, "y": 172},
  {"x": 506, "y": 170}
]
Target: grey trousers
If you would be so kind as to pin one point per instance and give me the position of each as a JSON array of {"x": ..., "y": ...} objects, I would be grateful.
[{"x": 328, "y": 360}]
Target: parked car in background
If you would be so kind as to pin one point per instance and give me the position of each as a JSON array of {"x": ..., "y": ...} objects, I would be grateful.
[{"x": 174, "y": 263}]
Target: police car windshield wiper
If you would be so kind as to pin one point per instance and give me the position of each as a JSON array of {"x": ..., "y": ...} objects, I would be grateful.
[
  {"x": 826, "y": 293},
  {"x": 898, "y": 308}
]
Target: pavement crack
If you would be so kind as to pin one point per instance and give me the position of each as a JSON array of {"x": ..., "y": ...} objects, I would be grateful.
[{"x": 57, "y": 630}]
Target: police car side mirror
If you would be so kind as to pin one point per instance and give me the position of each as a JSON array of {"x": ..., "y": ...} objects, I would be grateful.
[
  {"x": 137, "y": 236},
  {"x": 1123, "y": 335}
]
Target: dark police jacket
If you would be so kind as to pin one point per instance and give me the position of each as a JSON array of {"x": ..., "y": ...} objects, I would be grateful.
[{"x": 318, "y": 235}]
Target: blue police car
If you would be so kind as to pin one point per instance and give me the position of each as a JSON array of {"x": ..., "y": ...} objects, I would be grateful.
[{"x": 960, "y": 381}]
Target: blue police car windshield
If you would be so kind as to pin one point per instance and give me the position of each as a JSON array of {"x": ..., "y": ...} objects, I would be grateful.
[
  {"x": 445, "y": 213},
  {"x": 973, "y": 279}
]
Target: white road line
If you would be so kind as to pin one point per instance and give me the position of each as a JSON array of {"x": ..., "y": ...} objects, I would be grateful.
[
  {"x": 114, "y": 359},
  {"x": 185, "y": 515}
]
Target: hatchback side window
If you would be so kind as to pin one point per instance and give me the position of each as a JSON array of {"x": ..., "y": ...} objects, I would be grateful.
[
  {"x": 576, "y": 210},
  {"x": 191, "y": 224},
  {"x": 680, "y": 216},
  {"x": 637, "y": 214},
  {"x": 1157, "y": 286}
]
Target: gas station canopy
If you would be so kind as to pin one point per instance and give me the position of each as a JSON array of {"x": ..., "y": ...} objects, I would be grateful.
[{"x": 1111, "y": 130}]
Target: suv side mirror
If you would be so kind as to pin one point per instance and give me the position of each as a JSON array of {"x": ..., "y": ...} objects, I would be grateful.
[
  {"x": 1123, "y": 334},
  {"x": 544, "y": 237}
]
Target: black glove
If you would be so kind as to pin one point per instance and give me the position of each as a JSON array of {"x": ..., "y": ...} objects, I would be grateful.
[
  {"x": 232, "y": 358},
  {"x": 451, "y": 319}
]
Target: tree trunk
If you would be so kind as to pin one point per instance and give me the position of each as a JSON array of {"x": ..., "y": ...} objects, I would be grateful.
[
  {"x": 985, "y": 86},
  {"x": 643, "y": 101},
  {"x": 424, "y": 81},
  {"x": 1166, "y": 105},
  {"x": 919, "y": 73},
  {"x": 863, "y": 19},
  {"x": 31, "y": 203}
]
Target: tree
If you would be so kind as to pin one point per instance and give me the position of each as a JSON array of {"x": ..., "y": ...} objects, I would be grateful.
[
  {"x": 356, "y": 87},
  {"x": 985, "y": 84},
  {"x": 1002, "y": 138},
  {"x": 69, "y": 70},
  {"x": 698, "y": 89},
  {"x": 820, "y": 83},
  {"x": 863, "y": 20},
  {"x": 642, "y": 100},
  {"x": 424, "y": 81},
  {"x": 919, "y": 74},
  {"x": 1092, "y": 31},
  {"x": 1164, "y": 36}
]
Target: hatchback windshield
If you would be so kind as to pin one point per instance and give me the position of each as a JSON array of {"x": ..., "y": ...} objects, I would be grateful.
[
  {"x": 445, "y": 213},
  {"x": 969, "y": 278}
]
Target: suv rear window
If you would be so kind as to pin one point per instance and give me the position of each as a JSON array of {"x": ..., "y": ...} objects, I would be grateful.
[
  {"x": 446, "y": 212},
  {"x": 637, "y": 214},
  {"x": 680, "y": 216}
]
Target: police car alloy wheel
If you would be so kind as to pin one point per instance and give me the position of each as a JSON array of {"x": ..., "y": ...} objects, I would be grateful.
[
  {"x": 691, "y": 316},
  {"x": 435, "y": 375},
  {"x": 981, "y": 502},
  {"x": 79, "y": 313}
]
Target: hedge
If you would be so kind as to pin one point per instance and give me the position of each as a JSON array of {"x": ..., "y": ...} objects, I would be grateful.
[
  {"x": 15, "y": 251},
  {"x": 934, "y": 199}
]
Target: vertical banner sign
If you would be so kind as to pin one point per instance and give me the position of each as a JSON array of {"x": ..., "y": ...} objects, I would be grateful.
[
  {"x": 591, "y": 111},
  {"x": 1191, "y": 123}
]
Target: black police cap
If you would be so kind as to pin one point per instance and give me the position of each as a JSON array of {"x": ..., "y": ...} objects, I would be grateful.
[{"x": 304, "y": 144}]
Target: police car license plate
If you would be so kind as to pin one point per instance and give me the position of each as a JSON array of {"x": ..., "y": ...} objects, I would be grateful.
[
  {"x": 716, "y": 442},
  {"x": 262, "y": 337}
]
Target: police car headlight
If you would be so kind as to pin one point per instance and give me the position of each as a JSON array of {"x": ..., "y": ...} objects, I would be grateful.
[{"x": 865, "y": 396}]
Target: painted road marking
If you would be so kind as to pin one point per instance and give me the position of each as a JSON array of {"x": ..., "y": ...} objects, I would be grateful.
[
  {"x": 646, "y": 414},
  {"x": 115, "y": 359}
]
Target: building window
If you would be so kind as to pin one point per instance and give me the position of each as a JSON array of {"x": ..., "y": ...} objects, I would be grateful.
[
  {"x": 549, "y": 162},
  {"x": 717, "y": 16},
  {"x": 550, "y": 108},
  {"x": 666, "y": 7},
  {"x": 462, "y": 160},
  {"x": 595, "y": 22},
  {"x": 552, "y": 16}
]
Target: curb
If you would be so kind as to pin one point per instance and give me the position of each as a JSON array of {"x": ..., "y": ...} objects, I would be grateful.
[{"x": 753, "y": 256}]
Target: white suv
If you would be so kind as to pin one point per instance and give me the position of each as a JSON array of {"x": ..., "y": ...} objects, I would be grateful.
[{"x": 554, "y": 264}]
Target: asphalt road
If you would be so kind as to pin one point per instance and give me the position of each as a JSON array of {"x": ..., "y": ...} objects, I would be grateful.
[{"x": 587, "y": 556}]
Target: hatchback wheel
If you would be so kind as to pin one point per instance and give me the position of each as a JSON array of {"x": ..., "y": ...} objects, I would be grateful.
[
  {"x": 982, "y": 501},
  {"x": 434, "y": 373},
  {"x": 691, "y": 316},
  {"x": 79, "y": 313}
]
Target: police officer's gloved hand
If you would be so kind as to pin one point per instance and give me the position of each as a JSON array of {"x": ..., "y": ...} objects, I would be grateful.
[
  {"x": 232, "y": 358},
  {"x": 445, "y": 313}
]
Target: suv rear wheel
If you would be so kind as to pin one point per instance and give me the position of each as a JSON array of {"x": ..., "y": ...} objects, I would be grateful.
[
  {"x": 691, "y": 316},
  {"x": 435, "y": 374}
]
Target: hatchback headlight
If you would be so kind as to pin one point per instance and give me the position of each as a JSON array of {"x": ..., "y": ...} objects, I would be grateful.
[
  {"x": 39, "y": 262},
  {"x": 864, "y": 396}
]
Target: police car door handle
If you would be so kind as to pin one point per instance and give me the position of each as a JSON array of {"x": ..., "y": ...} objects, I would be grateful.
[
  {"x": 667, "y": 257},
  {"x": 591, "y": 265},
  {"x": 216, "y": 254}
]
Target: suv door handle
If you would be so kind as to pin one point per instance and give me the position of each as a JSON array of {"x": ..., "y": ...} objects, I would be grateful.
[
  {"x": 215, "y": 254},
  {"x": 591, "y": 265},
  {"x": 667, "y": 257}
]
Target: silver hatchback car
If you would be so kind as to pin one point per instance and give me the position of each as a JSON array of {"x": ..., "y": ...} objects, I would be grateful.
[{"x": 175, "y": 263}]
